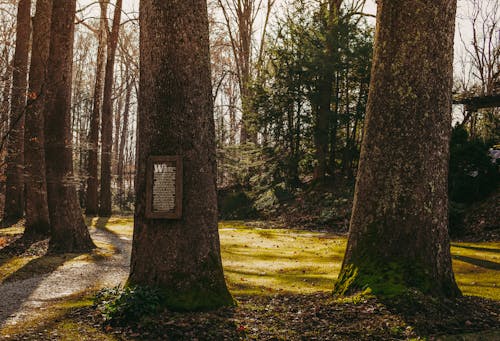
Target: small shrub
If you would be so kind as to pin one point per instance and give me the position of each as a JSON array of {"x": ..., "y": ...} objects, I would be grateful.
[{"x": 120, "y": 305}]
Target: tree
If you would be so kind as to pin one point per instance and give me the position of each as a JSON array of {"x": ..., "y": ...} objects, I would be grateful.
[
  {"x": 68, "y": 230},
  {"x": 107, "y": 115},
  {"x": 182, "y": 256},
  {"x": 37, "y": 212},
  {"x": 240, "y": 17},
  {"x": 14, "y": 194},
  {"x": 92, "y": 198},
  {"x": 398, "y": 234}
]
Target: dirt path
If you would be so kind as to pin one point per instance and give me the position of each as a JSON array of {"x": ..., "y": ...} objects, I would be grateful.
[{"x": 24, "y": 299}]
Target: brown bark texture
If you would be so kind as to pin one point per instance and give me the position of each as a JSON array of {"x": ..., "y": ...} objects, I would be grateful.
[
  {"x": 398, "y": 234},
  {"x": 123, "y": 139},
  {"x": 37, "y": 211},
  {"x": 107, "y": 116},
  {"x": 68, "y": 230},
  {"x": 182, "y": 256},
  {"x": 92, "y": 194},
  {"x": 14, "y": 189}
]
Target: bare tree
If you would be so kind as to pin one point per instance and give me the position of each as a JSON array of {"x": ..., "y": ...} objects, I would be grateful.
[
  {"x": 92, "y": 198},
  {"x": 14, "y": 194},
  {"x": 37, "y": 212},
  {"x": 107, "y": 114},
  {"x": 68, "y": 230}
]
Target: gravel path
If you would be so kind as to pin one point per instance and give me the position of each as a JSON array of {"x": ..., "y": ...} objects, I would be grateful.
[{"x": 23, "y": 299}]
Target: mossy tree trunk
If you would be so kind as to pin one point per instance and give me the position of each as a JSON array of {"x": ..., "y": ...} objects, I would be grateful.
[
  {"x": 68, "y": 230},
  {"x": 398, "y": 235},
  {"x": 182, "y": 257},
  {"x": 37, "y": 211},
  {"x": 14, "y": 189}
]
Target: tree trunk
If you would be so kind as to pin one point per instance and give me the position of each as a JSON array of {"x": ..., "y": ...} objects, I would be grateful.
[
  {"x": 14, "y": 193},
  {"x": 182, "y": 256},
  {"x": 37, "y": 211},
  {"x": 107, "y": 116},
  {"x": 325, "y": 89},
  {"x": 398, "y": 235},
  {"x": 7, "y": 84},
  {"x": 92, "y": 195},
  {"x": 123, "y": 139},
  {"x": 68, "y": 230}
]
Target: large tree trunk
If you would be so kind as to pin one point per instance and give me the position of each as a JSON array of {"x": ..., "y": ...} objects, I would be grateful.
[
  {"x": 68, "y": 230},
  {"x": 398, "y": 235},
  {"x": 92, "y": 195},
  {"x": 182, "y": 256},
  {"x": 37, "y": 211},
  {"x": 107, "y": 116},
  {"x": 14, "y": 193}
]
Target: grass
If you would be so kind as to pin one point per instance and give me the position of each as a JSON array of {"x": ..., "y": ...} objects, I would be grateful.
[
  {"x": 261, "y": 261},
  {"x": 258, "y": 261}
]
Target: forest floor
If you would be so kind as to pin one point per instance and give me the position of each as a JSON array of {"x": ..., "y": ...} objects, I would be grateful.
[{"x": 281, "y": 278}]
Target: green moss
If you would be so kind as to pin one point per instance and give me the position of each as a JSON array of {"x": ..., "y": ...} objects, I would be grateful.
[
  {"x": 204, "y": 293},
  {"x": 386, "y": 279}
]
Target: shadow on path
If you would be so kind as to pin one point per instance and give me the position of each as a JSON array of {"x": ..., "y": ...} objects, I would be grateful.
[{"x": 478, "y": 262}]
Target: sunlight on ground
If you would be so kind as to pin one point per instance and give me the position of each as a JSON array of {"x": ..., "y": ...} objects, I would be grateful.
[
  {"x": 258, "y": 260},
  {"x": 263, "y": 261},
  {"x": 477, "y": 268}
]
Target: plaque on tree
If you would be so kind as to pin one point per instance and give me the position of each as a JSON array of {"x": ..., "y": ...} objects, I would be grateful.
[{"x": 164, "y": 187}]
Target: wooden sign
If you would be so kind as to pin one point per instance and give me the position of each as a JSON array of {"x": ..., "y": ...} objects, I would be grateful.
[{"x": 164, "y": 187}]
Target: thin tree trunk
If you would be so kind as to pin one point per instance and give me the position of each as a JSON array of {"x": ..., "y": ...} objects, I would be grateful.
[
  {"x": 398, "y": 235},
  {"x": 182, "y": 256},
  {"x": 37, "y": 211},
  {"x": 107, "y": 116},
  {"x": 92, "y": 195},
  {"x": 68, "y": 230},
  {"x": 325, "y": 90},
  {"x": 123, "y": 140},
  {"x": 14, "y": 192}
]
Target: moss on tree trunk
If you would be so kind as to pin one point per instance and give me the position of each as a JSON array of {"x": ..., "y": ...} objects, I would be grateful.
[
  {"x": 398, "y": 235},
  {"x": 181, "y": 257}
]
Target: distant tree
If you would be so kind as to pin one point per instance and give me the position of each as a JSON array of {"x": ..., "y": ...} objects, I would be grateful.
[
  {"x": 68, "y": 230},
  {"x": 37, "y": 212},
  {"x": 14, "y": 194},
  {"x": 107, "y": 115},
  {"x": 398, "y": 234},
  {"x": 92, "y": 194},
  {"x": 182, "y": 257}
]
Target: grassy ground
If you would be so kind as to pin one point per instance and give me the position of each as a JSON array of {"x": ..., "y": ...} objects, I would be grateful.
[{"x": 262, "y": 265}]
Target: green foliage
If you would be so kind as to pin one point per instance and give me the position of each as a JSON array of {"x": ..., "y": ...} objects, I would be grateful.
[
  {"x": 130, "y": 304},
  {"x": 473, "y": 175},
  {"x": 306, "y": 51}
]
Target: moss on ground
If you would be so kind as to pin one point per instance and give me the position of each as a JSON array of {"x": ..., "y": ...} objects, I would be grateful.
[{"x": 257, "y": 262}]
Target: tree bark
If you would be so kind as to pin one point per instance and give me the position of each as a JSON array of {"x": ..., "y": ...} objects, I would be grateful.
[
  {"x": 37, "y": 211},
  {"x": 92, "y": 195},
  {"x": 182, "y": 257},
  {"x": 325, "y": 89},
  {"x": 14, "y": 192},
  {"x": 68, "y": 230},
  {"x": 123, "y": 138},
  {"x": 398, "y": 235},
  {"x": 107, "y": 116}
]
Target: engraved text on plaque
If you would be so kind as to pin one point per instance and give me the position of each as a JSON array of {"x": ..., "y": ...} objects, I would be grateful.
[{"x": 164, "y": 187}]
